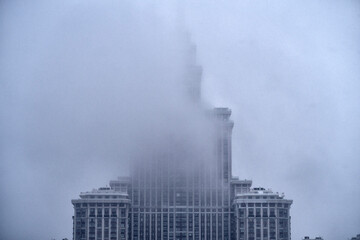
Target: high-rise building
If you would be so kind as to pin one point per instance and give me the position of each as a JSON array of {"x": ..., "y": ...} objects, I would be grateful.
[
  {"x": 174, "y": 201},
  {"x": 176, "y": 194}
]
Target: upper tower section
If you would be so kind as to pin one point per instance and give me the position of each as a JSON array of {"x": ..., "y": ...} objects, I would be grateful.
[
  {"x": 223, "y": 145},
  {"x": 193, "y": 71}
]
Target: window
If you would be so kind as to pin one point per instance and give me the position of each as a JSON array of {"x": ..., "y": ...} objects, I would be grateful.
[
  {"x": 113, "y": 212},
  {"x": 241, "y": 212},
  {"x": 250, "y": 212},
  {"x": 265, "y": 212},
  {"x": 258, "y": 212},
  {"x": 99, "y": 212},
  {"x": 272, "y": 212},
  {"x": 106, "y": 212}
]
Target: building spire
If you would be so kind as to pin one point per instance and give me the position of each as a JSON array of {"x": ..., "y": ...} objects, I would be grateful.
[{"x": 193, "y": 75}]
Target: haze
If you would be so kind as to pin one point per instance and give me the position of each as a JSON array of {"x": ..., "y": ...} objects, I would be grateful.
[{"x": 85, "y": 85}]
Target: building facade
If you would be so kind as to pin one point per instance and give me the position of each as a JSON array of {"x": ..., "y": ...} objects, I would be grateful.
[
  {"x": 262, "y": 214},
  {"x": 101, "y": 214},
  {"x": 169, "y": 201}
]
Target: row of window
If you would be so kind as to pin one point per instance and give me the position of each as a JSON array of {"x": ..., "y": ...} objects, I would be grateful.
[
  {"x": 100, "y": 212},
  {"x": 180, "y": 197},
  {"x": 279, "y": 205},
  {"x": 264, "y": 223},
  {"x": 101, "y": 234},
  {"x": 100, "y": 222},
  {"x": 263, "y": 212},
  {"x": 260, "y": 197},
  {"x": 264, "y": 234},
  {"x": 201, "y": 228},
  {"x": 179, "y": 221},
  {"x": 103, "y": 197},
  {"x": 100, "y": 205},
  {"x": 159, "y": 210}
]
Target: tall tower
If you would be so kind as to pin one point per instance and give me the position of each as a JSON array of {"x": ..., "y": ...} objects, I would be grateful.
[
  {"x": 193, "y": 73},
  {"x": 172, "y": 198},
  {"x": 175, "y": 192},
  {"x": 177, "y": 195}
]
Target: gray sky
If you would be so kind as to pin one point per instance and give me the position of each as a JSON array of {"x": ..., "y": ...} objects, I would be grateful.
[{"x": 82, "y": 82}]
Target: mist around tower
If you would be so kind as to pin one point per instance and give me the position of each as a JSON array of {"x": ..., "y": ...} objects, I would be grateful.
[
  {"x": 102, "y": 88},
  {"x": 95, "y": 93}
]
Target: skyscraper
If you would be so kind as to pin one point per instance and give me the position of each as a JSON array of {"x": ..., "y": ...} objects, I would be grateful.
[
  {"x": 174, "y": 201},
  {"x": 177, "y": 193}
]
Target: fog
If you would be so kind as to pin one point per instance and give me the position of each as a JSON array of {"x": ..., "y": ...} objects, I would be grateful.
[
  {"x": 85, "y": 85},
  {"x": 289, "y": 71}
]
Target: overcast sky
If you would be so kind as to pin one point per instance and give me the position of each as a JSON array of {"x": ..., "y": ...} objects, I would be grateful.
[{"x": 82, "y": 82}]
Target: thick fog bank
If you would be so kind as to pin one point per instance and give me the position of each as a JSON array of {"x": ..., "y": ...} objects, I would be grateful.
[
  {"x": 87, "y": 85},
  {"x": 84, "y": 87}
]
